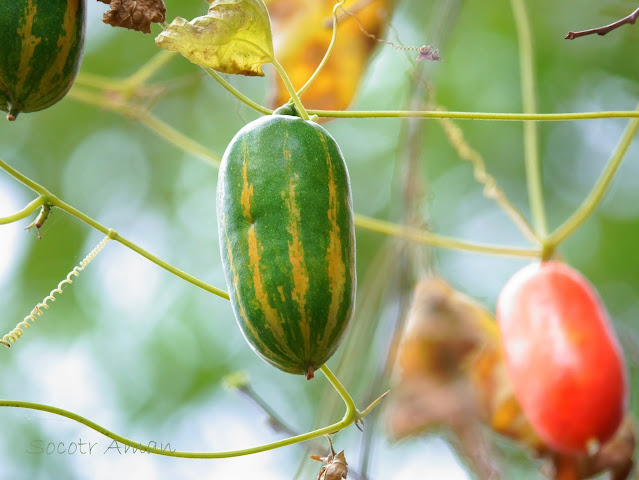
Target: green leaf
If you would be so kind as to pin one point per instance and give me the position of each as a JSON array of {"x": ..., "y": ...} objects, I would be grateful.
[{"x": 234, "y": 37}]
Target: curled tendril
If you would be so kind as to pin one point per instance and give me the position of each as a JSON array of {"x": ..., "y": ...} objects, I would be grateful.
[{"x": 37, "y": 311}]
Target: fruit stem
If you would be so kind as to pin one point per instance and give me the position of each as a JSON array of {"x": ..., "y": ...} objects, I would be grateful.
[
  {"x": 351, "y": 411},
  {"x": 291, "y": 90},
  {"x": 531, "y": 143},
  {"x": 596, "y": 194}
]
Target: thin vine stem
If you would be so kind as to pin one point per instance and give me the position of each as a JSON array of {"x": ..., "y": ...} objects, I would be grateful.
[
  {"x": 102, "y": 83},
  {"x": 148, "y": 69},
  {"x": 529, "y": 98},
  {"x": 134, "y": 112},
  {"x": 25, "y": 212},
  {"x": 291, "y": 90},
  {"x": 351, "y": 416},
  {"x": 361, "y": 221},
  {"x": 150, "y": 121},
  {"x": 329, "y": 50},
  {"x": 99, "y": 82},
  {"x": 53, "y": 200},
  {"x": 129, "y": 84},
  {"x": 379, "y": 226},
  {"x": 236, "y": 93},
  {"x": 540, "y": 117},
  {"x": 491, "y": 189},
  {"x": 129, "y": 244},
  {"x": 432, "y": 239},
  {"x": 274, "y": 420},
  {"x": 596, "y": 194},
  {"x": 230, "y": 88}
]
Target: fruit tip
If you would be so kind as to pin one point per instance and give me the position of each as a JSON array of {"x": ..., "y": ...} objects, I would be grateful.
[
  {"x": 310, "y": 373},
  {"x": 12, "y": 112}
]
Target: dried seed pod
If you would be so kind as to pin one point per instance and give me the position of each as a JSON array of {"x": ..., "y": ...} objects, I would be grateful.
[{"x": 335, "y": 466}]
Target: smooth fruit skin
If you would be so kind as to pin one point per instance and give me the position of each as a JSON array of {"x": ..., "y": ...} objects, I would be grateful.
[
  {"x": 562, "y": 356},
  {"x": 287, "y": 240},
  {"x": 41, "y": 48}
]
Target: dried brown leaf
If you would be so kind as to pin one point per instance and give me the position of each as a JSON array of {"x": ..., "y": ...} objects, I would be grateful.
[{"x": 134, "y": 14}]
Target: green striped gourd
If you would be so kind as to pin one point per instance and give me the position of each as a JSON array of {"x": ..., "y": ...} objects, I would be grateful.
[
  {"x": 287, "y": 240},
  {"x": 41, "y": 44}
]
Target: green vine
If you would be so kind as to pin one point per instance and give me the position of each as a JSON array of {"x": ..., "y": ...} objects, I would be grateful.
[
  {"x": 523, "y": 117},
  {"x": 50, "y": 199},
  {"x": 25, "y": 212},
  {"x": 596, "y": 194},
  {"x": 236, "y": 93},
  {"x": 543, "y": 246},
  {"x": 351, "y": 416},
  {"x": 148, "y": 120},
  {"x": 291, "y": 90},
  {"x": 329, "y": 50},
  {"x": 361, "y": 221},
  {"x": 531, "y": 142}
]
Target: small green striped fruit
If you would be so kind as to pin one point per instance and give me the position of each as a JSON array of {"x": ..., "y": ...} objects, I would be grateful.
[
  {"x": 41, "y": 44},
  {"x": 287, "y": 240}
]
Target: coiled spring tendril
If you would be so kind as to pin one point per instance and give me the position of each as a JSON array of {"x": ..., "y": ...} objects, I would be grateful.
[{"x": 17, "y": 332}]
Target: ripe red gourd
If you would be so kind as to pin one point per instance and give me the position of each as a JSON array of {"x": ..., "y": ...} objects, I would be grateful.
[{"x": 563, "y": 357}]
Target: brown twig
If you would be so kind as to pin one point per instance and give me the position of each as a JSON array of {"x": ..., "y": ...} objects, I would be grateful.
[{"x": 630, "y": 19}]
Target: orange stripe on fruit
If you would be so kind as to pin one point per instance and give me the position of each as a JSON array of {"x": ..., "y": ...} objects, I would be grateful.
[
  {"x": 273, "y": 321},
  {"x": 247, "y": 189},
  {"x": 66, "y": 41},
  {"x": 334, "y": 259},
  {"x": 296, "y": 258},
  {"x": 236, "y": 291},
  {"x": 28, "y": 45}
]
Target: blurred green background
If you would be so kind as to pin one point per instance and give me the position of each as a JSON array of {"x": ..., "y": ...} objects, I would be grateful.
[{"x": 143, "y": 353}]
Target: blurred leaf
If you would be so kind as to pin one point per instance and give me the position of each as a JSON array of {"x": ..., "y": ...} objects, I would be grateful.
[
  {"x": 303, "y": 32},
  {"x": 444, "y": 333},
  {"x": 452, "y": 375},
  {"x": 233, "y": 37}
]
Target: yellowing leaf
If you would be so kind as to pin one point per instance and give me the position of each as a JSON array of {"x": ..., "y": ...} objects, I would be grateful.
[
  {"x": 233, "y": 37},
  {"x": 303, "y": 31}
]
